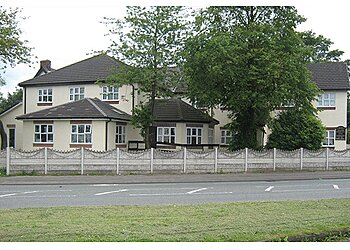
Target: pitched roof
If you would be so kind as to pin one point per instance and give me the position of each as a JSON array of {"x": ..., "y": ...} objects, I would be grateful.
[
  {"x": 330, "y": 75},
  {"x": 13, "y": 106},
  {"x": 88, "y": 70},
  {"x": 176, "y": 110},
  {"x": 86, "y": 108}
]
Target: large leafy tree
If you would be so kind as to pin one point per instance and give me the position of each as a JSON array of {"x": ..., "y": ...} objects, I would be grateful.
[
  {"x": 13, "y": 50},
  {"x": 149, "y": 41},
  {"x": 249, "y": 61}
]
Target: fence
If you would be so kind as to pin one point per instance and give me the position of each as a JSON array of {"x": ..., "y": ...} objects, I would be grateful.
[{"x": 121, "y": 161}]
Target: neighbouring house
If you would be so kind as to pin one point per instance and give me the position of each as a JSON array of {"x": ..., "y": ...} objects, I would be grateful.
[{"x": 65, "y": 109}]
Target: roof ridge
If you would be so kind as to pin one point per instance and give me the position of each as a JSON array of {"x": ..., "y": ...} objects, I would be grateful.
[{"x": 96, "y": 106}]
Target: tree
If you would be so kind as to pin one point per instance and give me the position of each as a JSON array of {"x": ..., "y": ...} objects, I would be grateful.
[
  {"x": 149, "y": 41},
  {"x": 251, "y": 61},
  {"x": 294, "y": 129},
  {"x": 13, "y": 50},
  {"x": 319, "y": 47}
]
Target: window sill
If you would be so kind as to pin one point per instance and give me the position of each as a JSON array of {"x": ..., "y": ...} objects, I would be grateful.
[
  {"x": 326, "y": 108},
  {"x": 44, "y": 104},
  {"x": 111, "y": 101},
  {"x": 80, "y": 145},
  {"x": 43, "y": 145}
]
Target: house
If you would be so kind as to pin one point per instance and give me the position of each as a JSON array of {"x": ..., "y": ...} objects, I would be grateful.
[{"x": 65, "y": 109}]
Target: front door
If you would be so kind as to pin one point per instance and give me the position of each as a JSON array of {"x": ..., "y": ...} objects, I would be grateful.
[{"x": 12, "y": 137}]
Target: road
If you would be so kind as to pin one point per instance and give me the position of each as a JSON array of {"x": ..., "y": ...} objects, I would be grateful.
[{"x": 22, "y": 196}]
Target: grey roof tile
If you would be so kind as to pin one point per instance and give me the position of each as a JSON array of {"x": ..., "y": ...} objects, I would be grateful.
[{"x": 86, "y": 108}]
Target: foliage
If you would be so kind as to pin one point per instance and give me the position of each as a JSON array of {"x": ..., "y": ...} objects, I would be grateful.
[
  {"x": 294, "y": 129},
  {"x": 11, "y": 99},
  {"x": 149, "y": 41},
  {"x": 319, "y": 47},
  {"x": 250, "y": 60},
  {"x": 13, "y": 50}
]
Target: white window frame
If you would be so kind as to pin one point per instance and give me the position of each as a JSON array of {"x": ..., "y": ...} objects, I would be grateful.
[
  {"x": 327, "y": 100},
  {"x": 110, "y": 93},
  {"x": 197, "y": 136},
  {"x": 76, "y": 93},
  {"x": 43, "y": 131},
  {"x": 44, "y": 95},
  {"x": 80, "y": 131},
  {"x": 120, "y": 134},
  {"x": 166, "y": 134},
  {"x": 329, "y": 139},
  {"x": 225, "y": 136}
]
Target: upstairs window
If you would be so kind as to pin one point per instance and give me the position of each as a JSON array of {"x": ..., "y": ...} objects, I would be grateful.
[
  {"x": 110, "y": 93},
  {"x": 45, "y": 95},
  {"x": 76, "y": 93},
  {"x": 326, "y": 100}
]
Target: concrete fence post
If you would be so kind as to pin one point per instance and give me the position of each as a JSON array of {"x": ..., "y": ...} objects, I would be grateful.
[
  {"x": 185, "y": 159},
  {"x": 246, "y": 160},
  {"x": 82, "y": 161},
  {"x": 274, "y": 159},
  {"x": 152, "y": 154},
  {"x": 301, "y": 158},
  {"x": 45, "y": 161},
  {"x": 118, "y": 160},
  {"x": 327, "y": 158},
  {"x": 216, "y": 160},
  {"x": 8, "y": 156}
]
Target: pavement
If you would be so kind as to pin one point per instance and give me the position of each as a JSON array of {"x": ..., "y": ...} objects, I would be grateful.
[{"x": 171, "y": 178}]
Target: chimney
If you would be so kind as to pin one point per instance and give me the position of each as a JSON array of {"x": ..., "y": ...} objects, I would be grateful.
[{"x": 45, "y": 65}]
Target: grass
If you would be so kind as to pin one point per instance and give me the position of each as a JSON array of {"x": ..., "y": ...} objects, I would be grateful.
[{"x": 251, "y": 221}]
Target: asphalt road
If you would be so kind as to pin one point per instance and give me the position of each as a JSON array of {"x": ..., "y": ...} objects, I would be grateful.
[{"x": 32, "y": 195}]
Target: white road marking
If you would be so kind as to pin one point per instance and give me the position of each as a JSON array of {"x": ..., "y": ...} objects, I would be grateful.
[
  {"x": 30, "y": 192},
  {"x": 104, "y": 185},
  {"x": 195, "y": 191},
  {"x": 110, "y": 192},
  {"x": 269, "y": 188},
  {"x": 178, "y": 194},
  {"x": 335, "y": 186},
  {"x": 5, "y": 195}
]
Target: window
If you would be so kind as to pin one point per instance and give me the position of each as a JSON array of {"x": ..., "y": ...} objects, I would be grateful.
[
  {"x": 210, "y": 136},
  {"x": 326, "y": 100},
  {"x": 81, "y": 133},
  {"x": 120, "y": 134},
  {"x": 166, "y": 134},
  {"x": 110, "y": 93},
  {"x": 45, "y": 95},
  {"x": 329, "y": 138},
  {"x": 76, "y": 93},
  {"x": 12, "y": 137},
  {"x": 226, "y": 136},
  {"x": 43, "y": 133},
  {"x": 194, "y": 135}
]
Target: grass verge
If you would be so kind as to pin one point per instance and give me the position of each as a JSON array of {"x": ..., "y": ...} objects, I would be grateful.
[{"x": 251, "y": 221}]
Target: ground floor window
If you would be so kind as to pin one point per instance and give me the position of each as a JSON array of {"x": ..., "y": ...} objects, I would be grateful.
[
  {"x": 166, "y": 134},
  {"x": 210, "y": 136},
  {"x": 43, "y": 133},
  {"x": 194, "y": 135},
  {"x": 226, "y": 136},
  {"x": 81, "y": 133},
  {"x": 120, "y": 133},
  {"x": 329, "y": 138}
]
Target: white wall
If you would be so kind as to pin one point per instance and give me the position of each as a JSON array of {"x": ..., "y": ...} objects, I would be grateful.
[{"x": 9, "y": 118}]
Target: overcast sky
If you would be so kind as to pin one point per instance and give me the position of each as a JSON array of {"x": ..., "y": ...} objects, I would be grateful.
[{"x": 66, "y": 31}]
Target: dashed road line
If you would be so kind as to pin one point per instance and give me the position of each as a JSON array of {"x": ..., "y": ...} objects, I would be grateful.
[
  {"x": 197, "y": 190},
  {"x": 105, "y": 185},
  {"x": 110, "y": 192},
  {"x": 336, "y": 187},
  {"x": 6, "y": 195}
]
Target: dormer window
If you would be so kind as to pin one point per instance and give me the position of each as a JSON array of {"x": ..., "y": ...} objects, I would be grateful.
[{"x": 110, "y": 93}]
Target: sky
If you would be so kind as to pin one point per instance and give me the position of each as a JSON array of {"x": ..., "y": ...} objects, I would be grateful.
[{"x": 67, "y": 31}]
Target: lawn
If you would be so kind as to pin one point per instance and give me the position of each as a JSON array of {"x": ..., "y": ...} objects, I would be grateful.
[{"x": 248, "y": 221}]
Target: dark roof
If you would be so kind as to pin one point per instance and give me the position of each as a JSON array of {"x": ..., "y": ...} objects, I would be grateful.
[
  {"x": 330, "y": 75},
  {"x": 86, "y": 108},
  {"x": 176, "y": 110},
  {"x": 10, "y": 107},
  {"x": 88, "y": 71}
]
